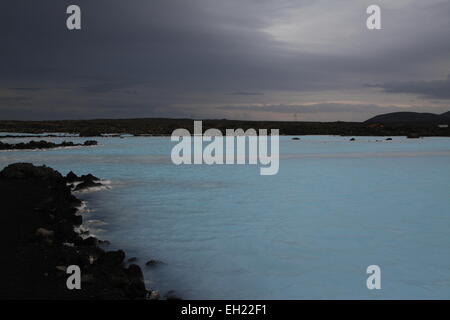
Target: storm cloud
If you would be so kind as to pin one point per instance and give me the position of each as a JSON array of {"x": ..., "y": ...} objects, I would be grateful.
[
  {"x": 180, "y": 58},
  {"x": 437, "y": 89}
]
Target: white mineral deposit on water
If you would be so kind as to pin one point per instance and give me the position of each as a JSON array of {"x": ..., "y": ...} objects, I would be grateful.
[{"x": 334, "y": 208}]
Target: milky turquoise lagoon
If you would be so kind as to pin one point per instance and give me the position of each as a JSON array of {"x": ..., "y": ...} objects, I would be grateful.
[{"x": 309, "y": 232}]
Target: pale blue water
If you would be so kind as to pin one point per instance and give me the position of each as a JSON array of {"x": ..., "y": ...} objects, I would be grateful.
[{"x": 309, "y": 232}]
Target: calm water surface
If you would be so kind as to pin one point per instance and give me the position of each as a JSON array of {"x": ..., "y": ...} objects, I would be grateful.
[{"x": 334, "y": 208}]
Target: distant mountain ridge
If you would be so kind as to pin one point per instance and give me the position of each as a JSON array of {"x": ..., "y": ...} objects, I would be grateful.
[{"x": 411, "y": 118}]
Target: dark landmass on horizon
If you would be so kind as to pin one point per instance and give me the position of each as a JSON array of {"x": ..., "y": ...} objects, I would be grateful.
[
  {"x": 411, "y": 117},
  {"x": 44, "y": 145},
  {"x": 391, "y": 124}
]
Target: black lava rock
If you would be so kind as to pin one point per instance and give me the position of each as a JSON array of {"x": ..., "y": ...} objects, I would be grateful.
[{"x": 90, "y": 143}]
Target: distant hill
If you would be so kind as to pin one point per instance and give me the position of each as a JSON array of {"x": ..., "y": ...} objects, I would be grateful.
[
  {"x": 410, "y": 118},
  {"x": 446, "y": 115}
]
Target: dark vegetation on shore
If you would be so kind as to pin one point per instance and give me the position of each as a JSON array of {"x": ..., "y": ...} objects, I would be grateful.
[
  {"x": 44, "y": 145},
  {"x": 38, "y": 242},
  {"x": 394, "y": 124}
]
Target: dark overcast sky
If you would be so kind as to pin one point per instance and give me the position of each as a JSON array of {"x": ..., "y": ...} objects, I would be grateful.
[{"x": 236, "y": 59}]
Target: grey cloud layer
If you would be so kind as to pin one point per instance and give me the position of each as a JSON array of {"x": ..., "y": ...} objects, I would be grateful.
[
  {"x": 327, "y": 108},
  {"x": 167, "y": 50},
  {"x": 436, "y": 89}
]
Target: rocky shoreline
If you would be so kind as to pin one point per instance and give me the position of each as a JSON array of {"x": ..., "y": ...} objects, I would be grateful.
[
  {"x": 42, "y": 144},
  {"x": 39, "y": 241}
]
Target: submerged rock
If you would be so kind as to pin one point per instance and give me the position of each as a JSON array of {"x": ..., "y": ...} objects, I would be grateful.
[
  {"x": 153, "y": 262},
  {"x": 86, "y": 185},
  {"x": 83, "y": 182},
  {"x": 90, "y": 143},
  {"x": 172, "y": 295}
]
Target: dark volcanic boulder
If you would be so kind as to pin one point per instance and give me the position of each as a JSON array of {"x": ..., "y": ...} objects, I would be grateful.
[
  {"x": 77, "y": 220},
  {"x": 172, "y": 295},
  {"x": 90, "y": 143},
  {"x": 87, "y": 185},
  {"x": 39, "y": 144},
  {"x": 74, "y": 201},
  {"x": 88, "y": 178},
  {"x": 117, "y": 278},
  {"x": 112, "y": 258},
  {"x": 87, "y": 181},
  {"x": 136, "y": 288},
  {"x": 67, "y": 144},
  {"x": 64, "y": 231},
  {"x": 71, "y": 177},
  {"x": 28, "y": 170},
  {"x": 153, "y": 262},
  {"x": 90, "y": 242},
  {"x": 135, "y": 273}
]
